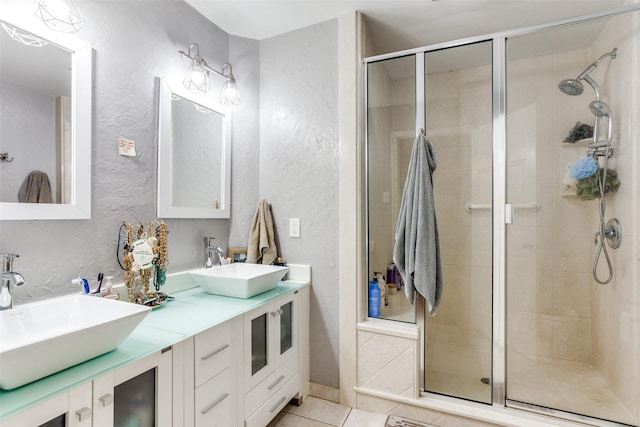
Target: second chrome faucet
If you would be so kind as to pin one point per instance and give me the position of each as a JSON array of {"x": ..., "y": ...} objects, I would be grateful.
[{"x": 210, "y": 251}]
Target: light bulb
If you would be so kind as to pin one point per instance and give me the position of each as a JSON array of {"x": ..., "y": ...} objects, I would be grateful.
[
  {"x": 197, "y": 77},
  {"x": 230, "y": 95}
]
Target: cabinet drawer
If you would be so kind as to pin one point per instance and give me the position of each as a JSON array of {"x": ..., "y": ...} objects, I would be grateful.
[
  {"x": 275, "y": 404},
  {"x": 213, "y": 401},
  {"x": 269, "y": 386},
  {"x": 212, "y": 352}
]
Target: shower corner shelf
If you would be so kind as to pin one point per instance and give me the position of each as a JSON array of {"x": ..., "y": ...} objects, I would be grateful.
[{"x": 579, "y": 144}]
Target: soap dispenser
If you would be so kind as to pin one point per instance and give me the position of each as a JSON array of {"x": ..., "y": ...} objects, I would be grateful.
[{"x": 107, "y": 292}]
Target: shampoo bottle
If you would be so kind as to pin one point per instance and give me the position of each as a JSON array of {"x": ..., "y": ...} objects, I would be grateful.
[{"x": 374, "y": 299}]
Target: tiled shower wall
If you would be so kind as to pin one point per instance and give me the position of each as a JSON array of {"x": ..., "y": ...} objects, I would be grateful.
[
  {"x": 548, "y": 252},
  {"x": 615, "y": 341}
]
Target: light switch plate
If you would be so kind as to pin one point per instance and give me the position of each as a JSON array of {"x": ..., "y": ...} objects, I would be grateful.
[{"x": 294, "y": 227}]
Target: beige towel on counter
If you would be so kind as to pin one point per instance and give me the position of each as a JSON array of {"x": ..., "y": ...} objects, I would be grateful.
[
  {"x": 262, "y": 242},
  {"x": 35, "y": 189}
]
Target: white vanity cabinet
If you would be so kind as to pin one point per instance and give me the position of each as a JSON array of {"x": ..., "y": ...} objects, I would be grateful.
[
  {"x": 208, "y": 366},
  {"x": 70, "y": 409},
  {"x": 230, "y": 363},
  {"x": 271, "y": 362}
]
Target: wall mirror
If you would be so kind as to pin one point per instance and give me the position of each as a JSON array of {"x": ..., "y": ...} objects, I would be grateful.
[
  {"x": 45, "y": 121},
  {"x": 194, "y": 155}
]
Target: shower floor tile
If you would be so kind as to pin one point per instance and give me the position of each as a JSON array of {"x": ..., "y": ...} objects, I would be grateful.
[{"x": 567, "y": 386}]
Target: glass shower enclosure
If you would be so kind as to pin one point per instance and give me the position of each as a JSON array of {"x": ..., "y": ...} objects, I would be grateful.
[{"x": 525, "y": 322}]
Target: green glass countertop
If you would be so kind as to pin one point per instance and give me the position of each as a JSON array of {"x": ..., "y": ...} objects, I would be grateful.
[{"x": 192, "y": 311}]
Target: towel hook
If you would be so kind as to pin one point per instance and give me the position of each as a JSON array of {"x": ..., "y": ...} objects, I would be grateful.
[
  {"x": 4, "y": 157},
  {"x": 420, "y": 132}
]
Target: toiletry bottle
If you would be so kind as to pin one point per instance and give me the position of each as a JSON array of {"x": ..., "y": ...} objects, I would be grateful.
[
  {"x": 81, "y": 281},
  {"x": 392, "y": 286},
  {"x": 107, "y": 292},
  {"x": 384, "y": 295},
  {"x": 374, "y": 299}
]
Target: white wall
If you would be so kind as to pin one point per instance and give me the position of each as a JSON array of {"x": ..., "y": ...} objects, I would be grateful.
[{"x": 298, "y": 169}]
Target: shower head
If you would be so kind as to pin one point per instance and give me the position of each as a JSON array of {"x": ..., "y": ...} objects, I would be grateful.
[
  {"x": 600, "y": 109},
  {"x": 571, "y": 87},
  {"x": 574, "y": 87}
]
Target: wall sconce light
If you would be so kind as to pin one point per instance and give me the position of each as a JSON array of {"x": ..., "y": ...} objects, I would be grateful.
[
  {"x": 197, "y": 78},
  {"x": 60, "y": 15}
]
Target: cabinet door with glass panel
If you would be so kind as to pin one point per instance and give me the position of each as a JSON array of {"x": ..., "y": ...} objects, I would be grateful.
[
  {"x": 139, "y": 393},
  {"x": 271, "y": 338}
]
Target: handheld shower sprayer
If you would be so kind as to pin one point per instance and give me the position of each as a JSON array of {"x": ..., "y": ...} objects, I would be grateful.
[
  {"x": 574, "y": 87},
  {"x": 601, "y": 109}
]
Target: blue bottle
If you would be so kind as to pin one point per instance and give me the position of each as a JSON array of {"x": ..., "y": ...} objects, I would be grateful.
[{"x": 374, "y": 299}]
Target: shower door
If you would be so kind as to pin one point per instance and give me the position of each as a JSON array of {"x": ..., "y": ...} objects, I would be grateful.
[
  {"x": 458, "y": 339},
  {"x": 570, "y": 344}
]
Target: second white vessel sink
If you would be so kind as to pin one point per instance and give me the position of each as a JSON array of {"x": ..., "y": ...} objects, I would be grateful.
[
  {"x": 238, "y": 280},
  {"x": 44, "y": 337}
]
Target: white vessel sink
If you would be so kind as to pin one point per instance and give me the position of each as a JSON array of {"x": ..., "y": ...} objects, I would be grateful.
[
  {"x": 238, "y": 280},
  {"x": 44, "y": 337}
]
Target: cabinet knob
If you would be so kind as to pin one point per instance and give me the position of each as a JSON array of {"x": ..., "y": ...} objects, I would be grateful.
[
  {"x": 83, "y": 414},
  {"x": 106, "y": 400}
]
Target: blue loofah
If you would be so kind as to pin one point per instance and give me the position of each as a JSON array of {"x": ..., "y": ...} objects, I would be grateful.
[{"x": 584, "y": 168}]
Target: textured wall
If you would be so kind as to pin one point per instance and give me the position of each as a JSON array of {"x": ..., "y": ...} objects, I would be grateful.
[
  {"x": 133, "y": 43},
  {"x": 299, "y": 169},
  {"x": 245, "y": 57}
]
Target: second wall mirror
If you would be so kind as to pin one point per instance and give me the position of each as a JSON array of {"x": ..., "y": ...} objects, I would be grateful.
[{"x": 194, "y": 155}]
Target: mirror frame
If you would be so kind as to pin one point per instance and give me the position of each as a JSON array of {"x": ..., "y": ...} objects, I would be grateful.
[
  {"x": 165, "y": 147},
  {"x": 81, "y": 91}
]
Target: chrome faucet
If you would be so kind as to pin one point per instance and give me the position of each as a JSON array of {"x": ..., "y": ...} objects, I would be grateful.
[
  {"x": 209, "y": 250},
  {"x": 9, "y": 277}
]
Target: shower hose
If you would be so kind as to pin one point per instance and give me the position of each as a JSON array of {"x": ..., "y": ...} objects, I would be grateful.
[{"x": 601, "y": 234}]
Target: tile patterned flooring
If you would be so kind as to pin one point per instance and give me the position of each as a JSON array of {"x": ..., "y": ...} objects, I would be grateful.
[{"x": 316, "y": 412}]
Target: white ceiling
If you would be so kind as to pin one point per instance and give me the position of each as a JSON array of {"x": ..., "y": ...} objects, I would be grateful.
[{"x": 395, "y": 24}]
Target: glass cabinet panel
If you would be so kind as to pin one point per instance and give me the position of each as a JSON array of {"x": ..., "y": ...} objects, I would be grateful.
[
  {"x": 259, "y": 347},
  {"x": 286, "y": 327},
  {"x": 135, "y": 401},
  {"x": 60, "y": 421}
]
